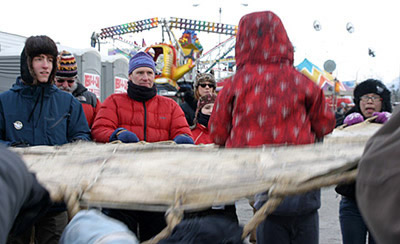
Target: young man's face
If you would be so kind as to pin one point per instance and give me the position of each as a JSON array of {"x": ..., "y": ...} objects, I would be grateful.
[
  {"x": 143, "y": 76},
  {"x": 42, "y": 66}
]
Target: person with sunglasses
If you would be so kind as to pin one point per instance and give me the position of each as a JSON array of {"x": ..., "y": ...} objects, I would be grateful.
[
  {"x": 204, "y": 84},
  {"x": 371, "y": 98},
  {"x": 66, "y": 80}
]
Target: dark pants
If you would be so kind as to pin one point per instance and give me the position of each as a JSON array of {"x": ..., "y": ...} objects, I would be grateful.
[
  {"x": 301, "y": 229},
  {"x": 229, "y": 211},
  {"x": 144, "y": 224},
  {"x": 354, "y": 230},
  {"x": 48, "y": 230}
]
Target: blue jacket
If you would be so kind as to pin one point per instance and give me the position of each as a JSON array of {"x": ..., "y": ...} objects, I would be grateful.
[{"x": 40, "y": 115}]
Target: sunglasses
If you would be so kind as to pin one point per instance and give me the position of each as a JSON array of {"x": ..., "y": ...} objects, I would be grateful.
[
  {"x": 63, "y": 80},
  {"x": 209, "y": 85}
]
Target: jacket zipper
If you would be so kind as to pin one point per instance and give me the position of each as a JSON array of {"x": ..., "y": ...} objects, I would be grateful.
[
  {"x": 66, "y": 115},
  {"x": 145, "y": 120}
]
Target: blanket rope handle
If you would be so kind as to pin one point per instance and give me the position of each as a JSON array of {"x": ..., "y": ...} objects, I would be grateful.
[
  {"x": 72, "y": 197},
  {"x": 173, "y": 217},
  {"x": 278, "y": 193}
]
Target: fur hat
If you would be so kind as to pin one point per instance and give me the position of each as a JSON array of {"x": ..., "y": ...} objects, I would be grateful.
[
  {"x": 66, "y": 65},
  {"x": 35, "y": 46},
  {"x": 373, "y": 86},
  {"x": 141, "y": 59},
  {"x": 203, "y": 77}
]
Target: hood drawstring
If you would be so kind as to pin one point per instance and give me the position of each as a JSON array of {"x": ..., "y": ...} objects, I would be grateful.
[{"x": 40, "y": 96}]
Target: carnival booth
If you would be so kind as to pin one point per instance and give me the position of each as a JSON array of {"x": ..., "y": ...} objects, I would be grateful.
[{"x": 114, "y": 73}]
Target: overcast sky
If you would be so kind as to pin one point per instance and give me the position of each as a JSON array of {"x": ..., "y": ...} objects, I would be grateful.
[{"x": 376, "y": 26}]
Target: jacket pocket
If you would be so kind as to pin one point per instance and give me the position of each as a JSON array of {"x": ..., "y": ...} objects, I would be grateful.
[{"x": 57, "y": 129}]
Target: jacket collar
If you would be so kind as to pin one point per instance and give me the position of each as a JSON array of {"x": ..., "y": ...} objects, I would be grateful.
[{"x": 33, "y": 90}]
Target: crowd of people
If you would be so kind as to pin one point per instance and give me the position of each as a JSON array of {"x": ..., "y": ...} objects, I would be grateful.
[{"x": 267, "y": 102}]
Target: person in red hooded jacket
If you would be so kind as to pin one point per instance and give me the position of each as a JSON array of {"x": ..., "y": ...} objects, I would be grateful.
[
  {"x": 269, "y": 102},
  {"x": 200, "y": 132}
]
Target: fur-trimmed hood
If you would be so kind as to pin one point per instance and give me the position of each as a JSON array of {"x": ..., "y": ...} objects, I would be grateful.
[{"x": 35, "y": 46}]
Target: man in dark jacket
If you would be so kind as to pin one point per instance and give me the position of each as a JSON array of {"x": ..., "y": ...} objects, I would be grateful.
[
  {"x": 66, "y": 80},
  {"x": 23, "y": 200},
  {"x": 35, "y": 112}
]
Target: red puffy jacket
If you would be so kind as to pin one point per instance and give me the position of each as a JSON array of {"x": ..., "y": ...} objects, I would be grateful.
[
  {"x": 268, "y": 101},
  {"x": 201, "y": 135},
  {"x": 158, "y": 119}
]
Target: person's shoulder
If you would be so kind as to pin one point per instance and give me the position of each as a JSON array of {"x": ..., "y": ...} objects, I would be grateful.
[
  {"x": 7, "y": 93},
  {"x": 118, "y": 98},
  {"x": 302, "y": 78},
  {"x": 62, "y": 94},
  {"x": 89, "y": 94},
  {"x": 166, "y": 100}
]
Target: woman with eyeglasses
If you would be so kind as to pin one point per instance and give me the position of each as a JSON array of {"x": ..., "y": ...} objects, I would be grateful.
[
  {"x": 371, "y": 98},
  {"x": 204, "y": 84}
]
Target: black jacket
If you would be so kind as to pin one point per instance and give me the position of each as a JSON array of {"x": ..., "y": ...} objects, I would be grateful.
[
  {"x": 189, "y": 107},
  {"x": 23, "y": 200}
]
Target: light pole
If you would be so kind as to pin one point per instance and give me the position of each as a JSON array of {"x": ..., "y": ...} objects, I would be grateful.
[{"x": 196, "y": 4}]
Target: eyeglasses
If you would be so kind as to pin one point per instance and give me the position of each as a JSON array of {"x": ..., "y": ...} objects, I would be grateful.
[
  {"x": 209, "y": 85},
  {"x": 64, "y": 80},
  {"x": 365, "y": 98}
]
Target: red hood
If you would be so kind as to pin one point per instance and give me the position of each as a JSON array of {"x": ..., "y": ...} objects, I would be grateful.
[{"x": 262, "y": 39}]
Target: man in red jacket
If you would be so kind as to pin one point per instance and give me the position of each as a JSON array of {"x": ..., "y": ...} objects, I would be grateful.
[
  {"x": 141, "y": 114},
  {"x": 66, "y": 80},
  {"x": 269, "y": 102}
]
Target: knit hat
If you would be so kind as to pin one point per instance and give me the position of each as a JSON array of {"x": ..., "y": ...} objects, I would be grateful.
[
  {"x": 35, "y": 46},
  {"x": 373, "y": 86},
  {"x": 141, "y": 59},
  {"x": 203, "y": 77},
  {"x": 66, "y": 65}
]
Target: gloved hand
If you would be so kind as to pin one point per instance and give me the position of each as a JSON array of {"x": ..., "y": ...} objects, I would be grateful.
[
  {"x": 382, "y": 117},
  {"x": 353, "y": 118},
  {"x": 183, "y": 139},
  {"x": 124, "y": 135}
]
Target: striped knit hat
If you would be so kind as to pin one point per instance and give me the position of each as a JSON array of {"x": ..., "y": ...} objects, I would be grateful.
[{"x": 66, "y": 65}]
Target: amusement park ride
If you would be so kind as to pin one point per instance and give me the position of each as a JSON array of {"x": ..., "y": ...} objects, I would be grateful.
[
  {"x": 177, "y": 59},
  {"x": 183, "y": 57}
]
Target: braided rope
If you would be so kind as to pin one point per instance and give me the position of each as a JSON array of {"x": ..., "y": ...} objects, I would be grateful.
[
  {"x": 174, "y": 216},
  {"x": 278, "y": 192},
  {"x": 72, "y": 197}
]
